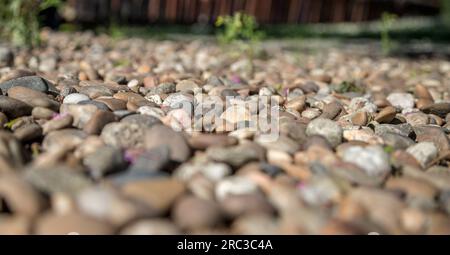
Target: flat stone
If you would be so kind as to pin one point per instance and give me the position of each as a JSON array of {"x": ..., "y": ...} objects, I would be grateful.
[
  {"x": 31, "y": 82},
  {"x": 236, "y": 156},
  {"x": 81, "y": 113},
  {"x": 57, "y": 123},
  {"x": 104, "y": 161},
  {"x": 63, "y": 139},
  {"x": 144, "y": 121},
  {"x": 28, "y": 133},
  {"x": 95, "y": 91},
  {"x": 386, "y": 115},
  {"x": 203, "y": 141},
  {"x": 439, "y": 109}
]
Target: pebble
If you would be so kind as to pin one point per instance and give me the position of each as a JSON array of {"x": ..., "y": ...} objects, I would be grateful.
[
  {"x": 401, "y": 100},
  {"x": 372, "y": 159},
  {"x": 123, "y": 135},
  {"x": 162, "y": 135},
  {"x": 32, "y": 82},
  {"x": 236, "y": 156},
  {"x": 98, "y": 120},
  {"x": 60, "y": 122},
  {"x": 386, "y": 115},
  {"x": 104, "y": 161},
  {"x": 75, "y": 98},
  {"x": 14, "y": 108},
  {"x": 326, "y": 128},
  {"x": 423, "y": 152}
]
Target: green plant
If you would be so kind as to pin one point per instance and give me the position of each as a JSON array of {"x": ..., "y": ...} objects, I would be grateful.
[
  {"x": 19, "y": 20},
  {"x": 445, "y": 12},
  {"x": 387, "y": 20},
  {"x": 241, "y": 30},
  {"x": 348, "y": 86}
]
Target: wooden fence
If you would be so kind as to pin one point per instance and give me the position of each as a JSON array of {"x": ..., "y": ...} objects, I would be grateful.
[{"x": 266, "y": 11}]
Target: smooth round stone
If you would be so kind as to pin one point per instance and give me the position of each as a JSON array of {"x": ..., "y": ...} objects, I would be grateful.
[
  {"x": 14, "y": 108},
  {"x": 297, "y": 104},
  {"x": 282, "y": 143},
  {"x": 203, "y": 141},
  {"x": 372, "y": 159},
  {"x": 423, "y": 152},
  {"x": 75, "y": 98},
  {"x": 42, "y": 113},
  {"x": 32, "y": 82},
  {"x": 401, "y": 100},
  {"x": 151, "y": 111},
  {"x": 28, "y": 133},
  {"x": 100, "y": 118},
  {"x": 81, "y": 113},
  {"x": 99, "y": 105},
  {"x": 179, "y": 100},
  {"x": 326, "y": 128},
  {"x": 439, "y": 109},
  {"x": 63, "y": 139},
  {"x": 311, "y": 113},
  {"x": 359, "y": 118},
  {"x": 144, "y": 121},
  {"x": 331, "y": 110},
  {"x": 58, "y": 179},
  {"x": 157, "y": 226},
  {"x": 95, "y": 91},
  {"x": 236, "y": 156},
  {"x": 417, "y": 118},
  {"x": 123, "y": 135},
  {"x": 195, "y": 213},
  {"x": 16, "y": 73},
  {"x": 112, "y": 103},
  {"x": 386, "y": 115},
  {"x": 56, "y": 224},
  {"x": 60, "y": 122},
  {"x": 235, "y": 185},
  {"x": 212, "y": 171},
  {"x": 186, "y": 85},
  {"x": 104, "y": 161},
  {"x": 396, "y": 141},
  {"x": 163, "y": 135}
]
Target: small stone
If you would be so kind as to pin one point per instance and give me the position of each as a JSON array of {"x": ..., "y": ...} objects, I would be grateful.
[
  {"x": 363, "y": 135},
  {"x": 186, "y": 85},
  {"x": 60, "y": 122},
  {"x": 331, "y": 110},
  {"x": 439, "y": 109},
  {"x": 28, "y": 133},
  {"x": 143, "y": 121},
  {"x": 237, "y": 205},
  {"x": 32, "y": 97},
  {"x": 75, "y": 98},
  {"x": 326, "y": 128},
  {"x": 104, "y": 161},
  {"x": 401, "y": 100},
  {"x": 149, "y": 160},
  {"x": 203, "y": 141},
  {"x": 235, "y": 185},
  {"x": 396, "y": 141},
  {"x": 359, "y": 118},
  {"x": 95, "y": 91},
  {"x": 42, "y": 113},
  {"x": 112, "y": 103},
  {"x": 57, "y": 179},
  {"x": 14, "y": 108},
  {"x": 195, "y": 213},
  {"x": 31, "y": 82},
  {"x": 162, "y": 135},
  {"x": 64, "y": 139},
  {"x": 158, "y": 194},
  {"x": 372, "y": 159},
  {"x": 236, "y": 156},
  {"x": 81, "y": 113},
  {"x": 100, "y": 118},
  {"x": 311, "y": 113},
  {"x": 123, "y": 135},
  {"x": 424, "y": 152},
  {"x": 386, "y": 115}
]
